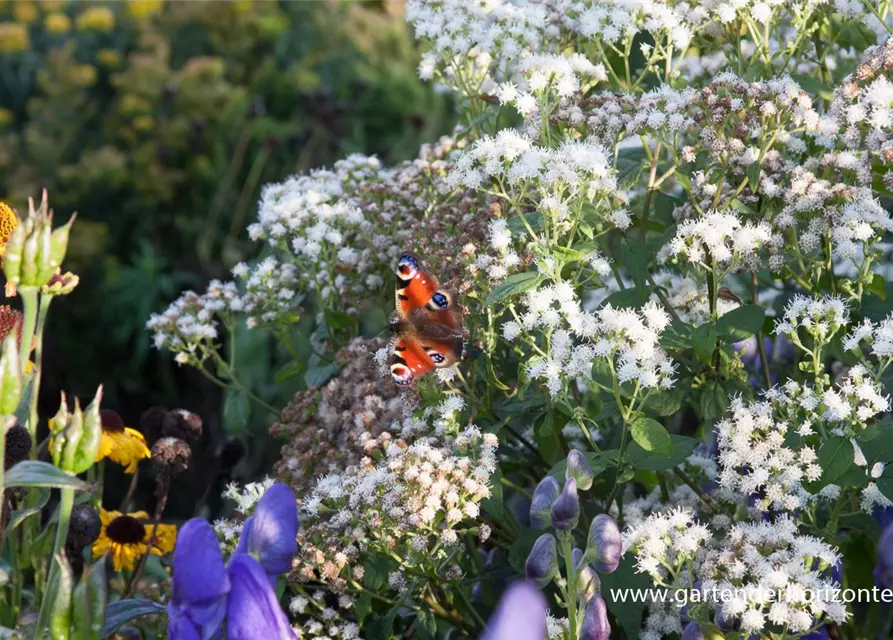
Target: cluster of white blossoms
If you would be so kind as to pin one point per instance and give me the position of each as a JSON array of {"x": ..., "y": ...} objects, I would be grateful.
[
  {"x": 546, "y": 75},
  {"x": 420, "y": 496},
  {"x": 189, "y": 326},
  {"x": 664, "y": 543},
  {"x": 688, "y": 298},
  {"x": 877, "y": 336},
  {"x": 820, "y": 317},
  {"x": 324, "y": 619},
  {"x": 271, "y": 290},
  {"x": 718, "y": 240},
  {"x": 771, "y": 575}
]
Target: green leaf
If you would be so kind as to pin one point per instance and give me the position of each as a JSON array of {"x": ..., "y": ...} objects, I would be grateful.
[
  {"x": 677, "y": 335},
  {"x": 290, "y": 369},
  {"x": 813, "y": 86},
  {"x": 121, "y": 612},
  {"x": 835, "y": 458},
  {"x": 877, "y": 286},
  {"x": 666, "y": 403},
  {"x": 741, "y": 323},
  {"x": 363, "y": 606},
  {"x": 18, "y": 516},
  {"x": 629, "y": 164},
  {"x": 34, "y": 473},
  {"x": 624, "y": 580},
  {"x": 517, "y": 283},
  {"x": 648, "y": 461},
  {"x": 651, "y": 435},
  {"x": 596, "y": 462},
  {"x": 318, "y": 376},
  {"x": 534, "y": 219},
  {"x": 631, "y": 297},
  {"x": 704, "y": 342},
  {"x": 753, "y": 176},
  {"x": 24, "y": 408},
  {"x": 520, "y": 549},
  {"x": 636, "y": 262},
  {"x": 493, "y": 504},
  {"x": 885, "y": 485},
  {"x": 236, "y": 411}
]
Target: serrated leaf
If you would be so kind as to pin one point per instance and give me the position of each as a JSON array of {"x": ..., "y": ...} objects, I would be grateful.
[
  {"x": 34, "y": 473},
  {"x": 517, "y": 283},
  {"x": 318, "y": 376},
  {"x": 651, "y": 435},
  {"x": 121, "y": 612},
  {"x": 236, "y": 410},
  {"x": 704, "y": 342},
  {"x": 534, "y": 219},
  {"x": 835, "y": 458},
  {"x": 741, "y": 323},
  {"x": 677, "y": 335},
  {"x": 629, "y": 164}
]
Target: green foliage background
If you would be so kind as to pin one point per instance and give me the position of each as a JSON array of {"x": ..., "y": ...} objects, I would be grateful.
[{"x": 158, "y": 122}]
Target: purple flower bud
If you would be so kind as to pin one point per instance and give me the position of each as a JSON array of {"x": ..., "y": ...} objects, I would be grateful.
[
  {"x": 542, "y": 563},
  {"x": 540, "y": 506},
  {"x": 604, "y": 545},
  {"x": 521, "y": 615},
  {"x": 566, "y": 509},
  {"x": 588, "y": 581},
  {"x": 579, "y": 469},
  {"x": 692, "y": 632},
  {"x": 595, "y": 621}
]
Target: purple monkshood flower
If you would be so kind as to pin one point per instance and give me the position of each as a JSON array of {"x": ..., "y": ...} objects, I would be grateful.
[
  {"x": 883, "y": 570},
  {"x": 270, "y": 535},
  {"x": 521, "y": 615},
  {"x": 205, "y": 591},
  {"x": 692, "y": 631}
]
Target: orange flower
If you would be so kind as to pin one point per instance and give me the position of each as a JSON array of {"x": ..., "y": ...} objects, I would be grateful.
[{"x": 8, "y": 223}]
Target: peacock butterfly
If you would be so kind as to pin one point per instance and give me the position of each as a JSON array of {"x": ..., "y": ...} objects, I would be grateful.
[{"x": 427, "y": 323}]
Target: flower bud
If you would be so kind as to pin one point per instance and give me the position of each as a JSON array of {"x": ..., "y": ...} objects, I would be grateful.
[
  {"x": 12, "y": 261},
  {"x": 60, "y": 284},
  {"x": 170, "y": 456},
  {"x": 182, "y": 424},
  {"x": 542, "y": 563},
  {"x": 588, "y": 581},
  {"x": 595, "y": 621},
  {"x": 541, "y": 504},
  {"x": 692, "y": 632},
  {"x": 18, "y": 446},
  {"x": 35, "y": 250},
  {"x": 76, "y": 435},
  {"x": 579, "y": 469},
  {"x": 10, "y": 376},
  {"x": 566, "y": 509},
  {"x": 151, "y": 422},
  {"x": 604, "y": 545},
  {"x": 58, "y": 246},
  {"x": 60, "y": 608},
  {"x": 88, "y": 603},
  {"x": 84, "y": 527}
]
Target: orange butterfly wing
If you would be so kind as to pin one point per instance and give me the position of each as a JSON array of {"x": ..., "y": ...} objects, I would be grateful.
[{"x": 429, "y": 327}]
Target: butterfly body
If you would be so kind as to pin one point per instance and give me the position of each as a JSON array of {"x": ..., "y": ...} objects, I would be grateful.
[{"x": 427, "y": 324}]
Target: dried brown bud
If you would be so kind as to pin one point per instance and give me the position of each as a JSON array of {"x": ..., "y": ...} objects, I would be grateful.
[
  {"x": 182, "y": 424},
  {"x": 170, "y": 456},
  {"x": 84, "y": 527},
  {"x": 18, "y": 446}
]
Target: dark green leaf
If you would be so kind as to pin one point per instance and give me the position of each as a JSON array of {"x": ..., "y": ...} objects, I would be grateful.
[
  {"x": 666, "y": 403},
  {"x": 318, "y": 376},
  {"x": 517, "y": 283},
  {"x": 236, "y": 410},
  {"x": 636, "y": 262},
  {"x": 813, "y": 86},
  {"x": 651, "y": 435},
  {"x": 741, "y": 323},
  {"x": 493, "y": 504},
  {"x": 647, "y": 461},
  {"x": 534, "y": 219},
  {"x": 596, "y": 462},
  {"x": 33, "y": 473},
  {"x": 835, "y": 458},
  {"x": 123, "y": 611},
  {"x": 677, "y": 335},
  {"x": 885, "y": 485},
  {"x": 753, "y": 176},
  {"x": 625, "y": 578},
  {"x": 291, "y": 369},
  {"x": 629, "y": 164},
  {"x": 704, "y": 342},
  {"x": 18, "y": 516},
  {"x": 631, "y": 297}
]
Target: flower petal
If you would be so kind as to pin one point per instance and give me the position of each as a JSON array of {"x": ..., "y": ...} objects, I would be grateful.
[
  {"x": 252, "y": 608},
  {"x": 199, "y": 573},
  {"x": 272, "y": 535},
  {"x": 521, "y": 615}
]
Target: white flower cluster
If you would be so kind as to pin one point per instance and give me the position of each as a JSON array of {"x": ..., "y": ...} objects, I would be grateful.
[
  {"x": 774, "y": 575},
  {"x": 188, "y": 327},
  {"x": 324, "y": 619},
  {"x": 820, "y": 317},
  {"x": 544, "y": 75},
  {"x": 664, "y": 543},
  {"x": 877, "y": 336},
  {"x": 688, "y": 298},
  {"x": 720, "y": 239},
  {"x": 272, "y": 293}
]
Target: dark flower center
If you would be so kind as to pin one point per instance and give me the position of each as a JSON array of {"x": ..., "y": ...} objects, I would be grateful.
[
  {"x": 125, "y": 530},
  {"x": 111, "y": 421}
]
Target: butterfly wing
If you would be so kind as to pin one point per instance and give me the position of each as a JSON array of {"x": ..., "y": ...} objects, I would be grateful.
[{"x": 418, "y": 294}]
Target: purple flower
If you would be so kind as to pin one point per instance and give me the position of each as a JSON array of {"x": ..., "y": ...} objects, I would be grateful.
[
  {"x": 521, "y": 615},
  {"x": 595, "y": 621},
  {"x": 270, "y": 535},
  {"x": 542, "y": 562},
  {"x": 200, "y": 585},
  {"x": 566, "y": 509},
  {"x": 252, "y": 609},
  {"x": 579, "y": 469},
  {"x": 604, "y": 545},
  {"x": 692, "y": 632},
  {"x": 883, "y": 570},
  {"x": 544, "y": 495}
]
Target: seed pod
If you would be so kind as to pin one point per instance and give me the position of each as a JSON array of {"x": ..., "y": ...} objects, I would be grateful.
[
  {"x": 45, "y": 270},
  {"x": 88, "y": 446},
  {"x": 12, "y": 261},
  {"x": 84, "y": 528},
  {"x": 58, "y": 423},
  {"x": 89, "y": 603},
  {"x": 60, "y": 610},
  {"x": 604, "y": 544},
  {"x": 566, "y": 509},
  {"x": 10, "y": 376},
  {"x": 544, "y": 495},
  {"x": 170, "y": 456},
  {"x": 59, "y": 243},
  {"x": 73, "y": 434},
  {"x": 29, "y": 260},
  {"x": 18, "y": 446},
  {"x": 579, "y": 469},
  {"x": 542, "y": 562}
]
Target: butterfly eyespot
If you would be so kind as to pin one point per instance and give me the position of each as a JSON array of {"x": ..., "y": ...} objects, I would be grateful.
[
  {"x": 407, "y": 267},
  {"x": 401, "y": 374},
  {"x": 437, "y": 358},
  {"x": 440, "y": 300}
]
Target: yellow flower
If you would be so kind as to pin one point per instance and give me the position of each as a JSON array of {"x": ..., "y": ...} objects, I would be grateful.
[
  {"x": 57, "y": 23},
  {"x": 121, "y": 444},
  {"x": 13, "y": 37},
  {"x": 96, "y": 19},
  {"x": 8, "y": 222},
  {"x": 25, "y": 12},
  {"x": 141, "y": 9},
  {"x": 126, "y": 537}
]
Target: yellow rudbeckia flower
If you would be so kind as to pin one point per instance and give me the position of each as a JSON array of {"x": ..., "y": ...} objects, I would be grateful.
[
  {"x": 126, "y": 537},
  {"x": 121, "y": 444}
]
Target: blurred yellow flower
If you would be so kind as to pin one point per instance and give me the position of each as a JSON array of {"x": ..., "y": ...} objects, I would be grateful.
[
  {"x": 83, "y": 75},
  {"x": 142, "y": 9},
  {"x": 108, "y": 57},
  {"x": 126, "y": 538},
  {"x": 96, "y": 19},
  {"x": 6, "y": 117},
  {"x": 25, "y": 12},
  {"x": 57, "y": 23},
  {"x": 121, "y": 444},
  {"x": 13, "y": 37}
]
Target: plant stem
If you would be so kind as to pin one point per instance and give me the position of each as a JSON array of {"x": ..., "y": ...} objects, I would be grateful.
[
  {"x": 29, "y": 308},
  {"x": 566, "y": 544},
  {"x": 65, "y": 506},
  {"x": 164, "y": 489}
]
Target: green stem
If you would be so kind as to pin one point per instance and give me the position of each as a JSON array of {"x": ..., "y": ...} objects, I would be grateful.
[
  {"x": 65, "y": 506},
  {"x": 566, "y": 547},
  {"x": 29, "y": 308}
]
